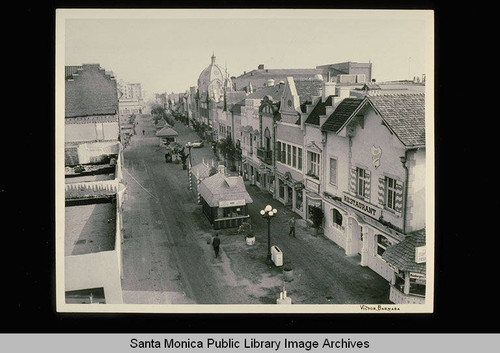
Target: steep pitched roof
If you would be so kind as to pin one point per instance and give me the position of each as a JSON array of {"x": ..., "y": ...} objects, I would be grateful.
[
  {"x": 404, "y": 114},
  {"x": 306, "y": 89},
  {"x": 166, "y": 131},
  {"x": 90, "y": 91},
  {"x": 341, "y": 114},
  {"x": 402, "y": 255},
  {"x": 319, "y": 109},
  {"x": 220, "y": 187}
]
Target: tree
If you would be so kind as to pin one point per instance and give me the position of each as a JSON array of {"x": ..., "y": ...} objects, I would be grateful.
[{"x": 316, "y": 216}]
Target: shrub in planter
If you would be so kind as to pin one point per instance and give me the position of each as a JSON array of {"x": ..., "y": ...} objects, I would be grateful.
[
  {"x": 287, "y": 273},
  {"x": 246, "y": 229}
]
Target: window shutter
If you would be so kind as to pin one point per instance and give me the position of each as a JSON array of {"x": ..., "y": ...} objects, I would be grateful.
[
  {"x": 381, "y": 191},
  {"x": 352, "y": 182},
  {"x": 398, "y": 204},
  {"x": 367, "y": 185}
]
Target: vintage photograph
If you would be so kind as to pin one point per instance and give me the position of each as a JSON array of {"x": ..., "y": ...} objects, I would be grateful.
[{"x": 246, "y": 161}]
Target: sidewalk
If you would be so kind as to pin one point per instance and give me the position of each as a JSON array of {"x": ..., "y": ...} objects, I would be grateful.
[{"x": 322, "y": 271}]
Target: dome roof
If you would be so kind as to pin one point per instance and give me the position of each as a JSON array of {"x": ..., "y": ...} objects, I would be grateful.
[{"x": 211, "y": 80}]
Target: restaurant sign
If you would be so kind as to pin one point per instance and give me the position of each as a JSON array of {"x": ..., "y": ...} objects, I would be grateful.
[
  {"x": 361, "y": 206},
  {"x": 231, "y": 203}
]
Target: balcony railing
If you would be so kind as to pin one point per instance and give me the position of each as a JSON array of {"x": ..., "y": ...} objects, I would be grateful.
[{"x": 265, "y": 155}]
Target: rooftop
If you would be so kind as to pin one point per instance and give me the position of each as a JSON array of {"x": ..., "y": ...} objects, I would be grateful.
[
  {"x": 341, "y": 114},
  {"x": 404, "y": 114},
  {"x": 89, "y": 91},
  {"x": 220, "y": 187},
  {"x": 402, "y": 255},
  {"x": 89, "y": 228},
  {"x": 319, "y": 109}
]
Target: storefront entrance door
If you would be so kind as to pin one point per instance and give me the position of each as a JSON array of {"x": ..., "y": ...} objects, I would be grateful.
[{"x": 289, "y": 199}]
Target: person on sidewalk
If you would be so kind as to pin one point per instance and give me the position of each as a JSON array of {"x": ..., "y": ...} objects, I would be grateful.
[
  {"x": 291, "y": 223},
  {"x": 143, "y": 132},
  {"x": 216, "y": 244}
]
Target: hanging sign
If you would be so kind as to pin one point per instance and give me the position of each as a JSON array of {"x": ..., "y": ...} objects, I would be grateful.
[
  {"x": 420, "y": 254},
  {"x": 231, "y": 203}
]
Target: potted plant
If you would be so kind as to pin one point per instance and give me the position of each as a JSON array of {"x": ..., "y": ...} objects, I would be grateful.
[
  {"x": 246, "y": 229},
  {"x": 287, "y": 272}
]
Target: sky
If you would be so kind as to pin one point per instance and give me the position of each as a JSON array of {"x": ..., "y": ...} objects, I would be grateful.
[{"x": 166, "y": 50}]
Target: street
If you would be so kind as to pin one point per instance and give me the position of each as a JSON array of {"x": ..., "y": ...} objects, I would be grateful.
[{"x": 167, "y": 260}]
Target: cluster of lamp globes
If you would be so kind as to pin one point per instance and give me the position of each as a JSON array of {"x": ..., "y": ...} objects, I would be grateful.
[{"x": 269, "y": 211}]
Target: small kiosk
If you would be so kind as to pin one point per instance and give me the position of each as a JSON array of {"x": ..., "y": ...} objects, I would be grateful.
[
  {"x": 224, "y": 200},
  {"x": 167, "y": 135},
  {"x": 408, "y": 261}
]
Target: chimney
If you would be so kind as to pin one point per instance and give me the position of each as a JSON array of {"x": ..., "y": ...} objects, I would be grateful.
[
  {"x": 329, "y": 89},
  {"x": 261, "y": 67}
]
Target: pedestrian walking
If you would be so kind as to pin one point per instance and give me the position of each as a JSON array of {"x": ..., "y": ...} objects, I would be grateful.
[
  {"x": 291, "y": 223},
  {"x": 143, "y": 131},
  {"x": 216, "y": 244}
]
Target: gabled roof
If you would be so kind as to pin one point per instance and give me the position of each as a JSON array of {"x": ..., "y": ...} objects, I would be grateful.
[
  {"x": 319, "y": 109},
  {"x": 220, "y": 187},
  {"x": 341, "y": 114},
  {"x": 89, "y": 91},
  {"x": 306, "y": 89},
  {"x": 404, "y": 114},
  {"x": 402, "y": 255},
  {"x": 166, "y": 131}
]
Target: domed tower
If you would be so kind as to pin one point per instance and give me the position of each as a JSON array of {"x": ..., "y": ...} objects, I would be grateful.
[{"x": 211, "y": 81}]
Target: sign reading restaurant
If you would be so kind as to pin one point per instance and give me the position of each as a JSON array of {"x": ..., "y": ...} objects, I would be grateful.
[{"x": 361, "y": 206}]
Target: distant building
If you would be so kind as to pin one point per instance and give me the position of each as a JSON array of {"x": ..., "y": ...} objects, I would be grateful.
[
  {"x": 259, "y": 78},
  {"x": 346, "y": 72},
  {"x": 131, "y": 98},
  {"x": 213, "y": 82},
  {"x": 91, "y": 105}
]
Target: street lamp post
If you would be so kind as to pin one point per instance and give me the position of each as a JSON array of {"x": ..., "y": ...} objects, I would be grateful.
[{"x": 267, "y": 213}]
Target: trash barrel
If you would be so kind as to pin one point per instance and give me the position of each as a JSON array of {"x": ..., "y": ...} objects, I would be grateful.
[{"x": 277, "y": 255}]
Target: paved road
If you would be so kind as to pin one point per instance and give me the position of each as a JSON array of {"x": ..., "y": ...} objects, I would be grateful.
[{"x": 167, "y": 258}]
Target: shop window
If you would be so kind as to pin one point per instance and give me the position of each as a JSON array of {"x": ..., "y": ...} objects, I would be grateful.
[
  {"x": 417, "y": 287},
  {"x": 294, "y": 156},
  {"x": 231, "y": 212},
  {"x": 281, "y": 189},
  {"x": 382, "y": 244},
  {"x": 336, "y": 218},
  {"x": 400, "y": 281},
  {"x": 289, "y": 154},
  {"x": 278, "y": 151},
  {"x": 298, "y": 199}
]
